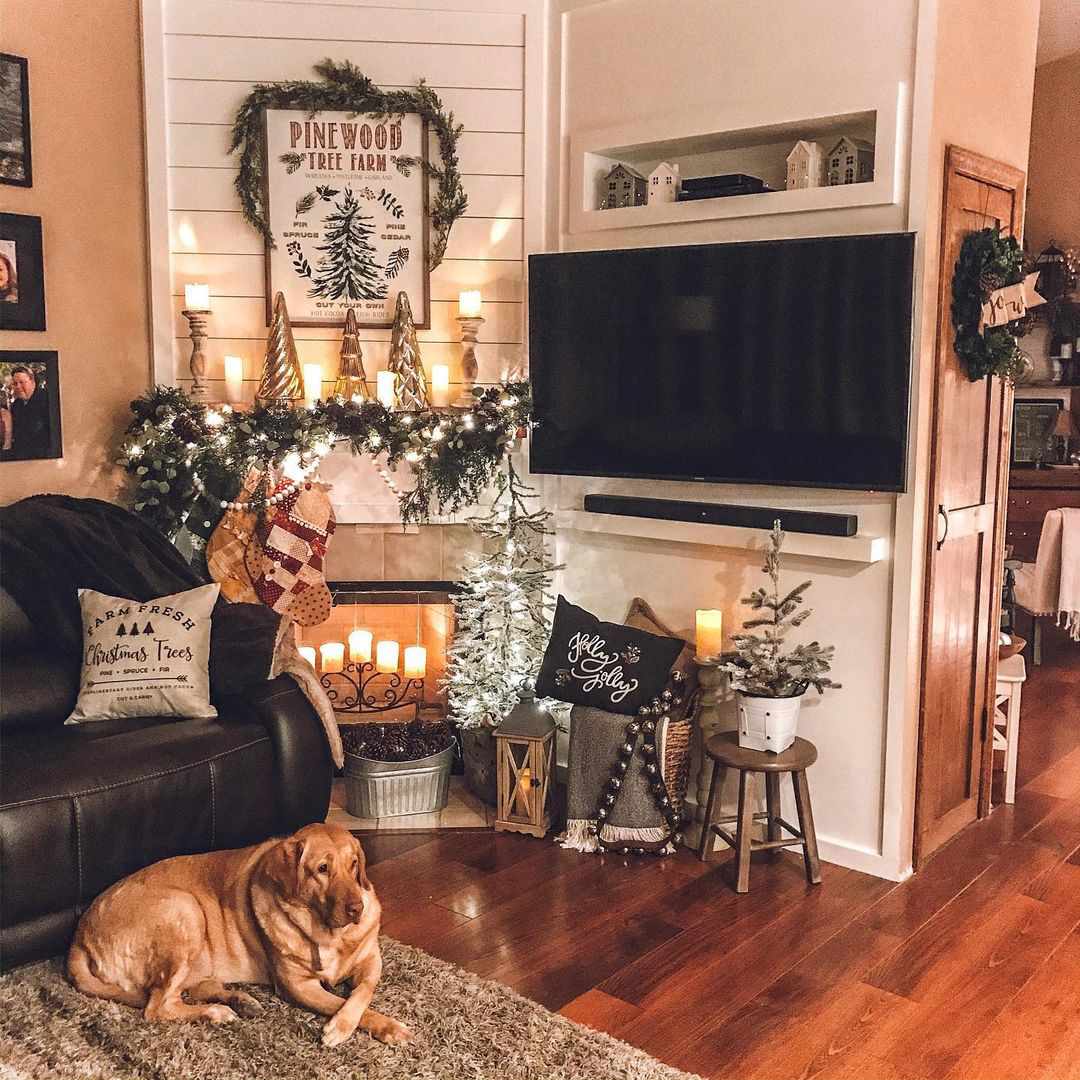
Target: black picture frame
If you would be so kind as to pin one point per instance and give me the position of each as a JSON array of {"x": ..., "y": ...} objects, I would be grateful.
[
  {"x": 46, "y": 435},
  {"x": 22, "y": 269},
  {"x": 16, "y": 167},
  {"x": 1033, "y": 420}
]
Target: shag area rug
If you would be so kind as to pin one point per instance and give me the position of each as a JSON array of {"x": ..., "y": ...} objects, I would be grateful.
[{"x": 465, "y": 1028}]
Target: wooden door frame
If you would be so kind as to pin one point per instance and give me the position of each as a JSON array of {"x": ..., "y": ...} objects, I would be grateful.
[{"x": 984, "y": 170}]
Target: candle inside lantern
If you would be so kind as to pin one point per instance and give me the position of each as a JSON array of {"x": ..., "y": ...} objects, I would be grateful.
[
  {"x": 384, "y": 388},
  {"x": 308, "y": 653},
  {"x": 333, "y": 655},
  {"x": 360, "y": 646},
  {"x": 234, "y": 378},
  {"x": 415, "y": 662},
  {"x": 710, "y": 633},
  {"x": 469, "y": 304},
  {"x": 386, "y": 657},
  {"x": 440, "y": 385},
  {"x": 312, "y": 383},
  {"x": 196, "y": 296}
]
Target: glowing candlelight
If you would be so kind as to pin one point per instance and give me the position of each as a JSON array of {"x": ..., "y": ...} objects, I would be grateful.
[
  {"x": 308, "y": 653},
  {"x": 234, "y": 378},
  {"x": 415, "y": 662},
  {"x": 360, "y": 646},
  {"x": 469, "y": 304},
  {"x": 386, "y": 657},
  {"x": 710, "y": 633},
  {"x": 196, "y": 297},
  {"x": 333, "y": 655},
  {"x": 440, "y": 385},
  {"x": 384, "y": 388},
  {"x": 312, "y": 383}
]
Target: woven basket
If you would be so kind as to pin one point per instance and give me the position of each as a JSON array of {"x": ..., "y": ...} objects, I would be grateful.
[
  {"x": 1017, "y": 645},
  {"x": 678, "y": 741}
]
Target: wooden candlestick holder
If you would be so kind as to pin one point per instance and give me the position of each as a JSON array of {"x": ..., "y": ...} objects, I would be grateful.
[
  {"x": 470, "y": 369},
  {"x": 200, "y": 389},
  {"x": 709, "y": 717}
]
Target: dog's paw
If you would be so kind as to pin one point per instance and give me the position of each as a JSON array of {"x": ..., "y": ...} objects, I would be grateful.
[
  {"x": 219, "y": 1014},
  {"x": 245, "y": 1004},
  {"x": 335, "y": 1032},
  {"x": 392, "y": 1033}
]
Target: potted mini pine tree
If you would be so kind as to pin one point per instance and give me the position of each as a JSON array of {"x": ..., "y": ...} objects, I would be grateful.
[{"x": 768, "y": 681}]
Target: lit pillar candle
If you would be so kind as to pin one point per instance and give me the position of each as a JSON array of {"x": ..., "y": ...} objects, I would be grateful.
[
  {"x": 312, "y": 383},
  {"x": 710, "y": 633},
  {"x": 360, "y": 646},
  {"x": 440, "y": 385},
  {"x": 469, "y": 304},
  {"x": 386, "y": 657},
  {"x": 415, "y": 662},
  {"x": 333, "y": 655},
  {"x": 384, "y": 388},
  {"x": 308, "y": 653},
  {"x": 196, "y": 297},
  {"x": 234, "y": 378}
]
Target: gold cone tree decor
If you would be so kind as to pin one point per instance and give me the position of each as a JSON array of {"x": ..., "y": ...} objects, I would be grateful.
[
  {"x": 281, "y": 378},
  {"x": 410, "y": 388},
  {"x": 351, "y": 381}
]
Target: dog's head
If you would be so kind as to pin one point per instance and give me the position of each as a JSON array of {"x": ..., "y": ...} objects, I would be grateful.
[{"x": 323, "y": 868}]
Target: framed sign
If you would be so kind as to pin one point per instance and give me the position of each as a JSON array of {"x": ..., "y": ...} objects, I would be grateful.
[
  {"x": 29, "y": 405},
  {"x": 22, "y": 276},
  {"x": 1033, "y": 421},
  {"x": 15, "y": 163},
  {"x": 347, "y": 203}
]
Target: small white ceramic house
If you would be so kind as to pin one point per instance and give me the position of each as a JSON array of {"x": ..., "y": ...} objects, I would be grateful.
[
  {"x": 851, "y": 161},
  {"x": 624, "y": 186},
  {"x": 806, "y": 165},
  {"x": 664, "y": 183}
]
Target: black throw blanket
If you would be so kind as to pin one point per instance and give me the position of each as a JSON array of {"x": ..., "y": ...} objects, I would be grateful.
[{"x": 53, "y": 545}]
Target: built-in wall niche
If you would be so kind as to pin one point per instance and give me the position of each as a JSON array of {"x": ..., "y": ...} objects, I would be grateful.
[{"x": 750, "y": 138}]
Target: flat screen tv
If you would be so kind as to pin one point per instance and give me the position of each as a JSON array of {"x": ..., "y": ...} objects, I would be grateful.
[{"x": 779, "y": 362}]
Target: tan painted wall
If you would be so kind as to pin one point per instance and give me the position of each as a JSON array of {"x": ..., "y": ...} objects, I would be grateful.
[
  {"x": 1054, "y": 179},
  {"x": 86, "y": 117}
]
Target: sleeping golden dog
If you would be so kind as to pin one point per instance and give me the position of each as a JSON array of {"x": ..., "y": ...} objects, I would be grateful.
[{"x": 298, "y": 914}]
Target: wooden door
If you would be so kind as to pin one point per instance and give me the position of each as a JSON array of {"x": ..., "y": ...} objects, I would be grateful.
[{"x": 969, "y": 466}]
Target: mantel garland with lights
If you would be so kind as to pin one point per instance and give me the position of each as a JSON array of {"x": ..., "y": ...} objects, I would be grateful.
[{"x": 188, "y": 460}]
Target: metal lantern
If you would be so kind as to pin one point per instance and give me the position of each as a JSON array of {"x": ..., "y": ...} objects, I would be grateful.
[
  {"x": 1053, "y": 273},
  {"x": 524, "y": 763}
]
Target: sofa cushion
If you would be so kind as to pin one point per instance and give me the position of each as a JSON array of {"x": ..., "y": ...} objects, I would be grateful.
[
  {"x": 39, "y": 691},
  {"x": 16, "y": 631}
]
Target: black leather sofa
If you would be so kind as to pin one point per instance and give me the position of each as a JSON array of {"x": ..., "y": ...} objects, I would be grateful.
[{"x": 82, "y": 806}]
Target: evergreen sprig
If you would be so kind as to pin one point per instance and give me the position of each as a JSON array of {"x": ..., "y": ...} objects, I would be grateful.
[
  {"x": 759, "y": 665},
  {"x": 344, "y": 88}
]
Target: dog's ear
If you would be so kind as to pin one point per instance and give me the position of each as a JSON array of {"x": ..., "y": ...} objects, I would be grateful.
[
  {"x": 286, "y": 865},
  {"x": 361, "y": 865}
]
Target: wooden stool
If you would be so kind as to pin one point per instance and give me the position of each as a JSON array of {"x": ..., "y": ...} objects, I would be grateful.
[
  {"x": 1011, "y": 674},
  {"x": 725, "y": 751}
]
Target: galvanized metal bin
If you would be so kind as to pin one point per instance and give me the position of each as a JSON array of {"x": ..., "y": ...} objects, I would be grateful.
[{"x": 378, "y": 789}]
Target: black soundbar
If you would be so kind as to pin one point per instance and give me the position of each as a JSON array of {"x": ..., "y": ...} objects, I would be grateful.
[{"x": 746, "y": 517}]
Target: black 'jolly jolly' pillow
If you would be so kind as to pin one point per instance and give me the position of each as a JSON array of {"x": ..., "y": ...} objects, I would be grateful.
[{"x": 605, "y": 665}]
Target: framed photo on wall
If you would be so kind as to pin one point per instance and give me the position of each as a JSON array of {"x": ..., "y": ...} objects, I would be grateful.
[
  {"x": 22, "y": 273},
  {"x": 349, "y": 217},
  {"x": 29, "y": 405},
  {"x": 15, "y": 162},
  {"x": 1033, "y": 421}
]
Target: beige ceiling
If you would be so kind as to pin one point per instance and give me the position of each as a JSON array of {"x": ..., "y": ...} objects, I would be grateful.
[{"x": 1059, "y": 30}]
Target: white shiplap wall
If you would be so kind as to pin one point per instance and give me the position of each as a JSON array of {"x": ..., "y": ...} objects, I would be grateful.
[{"x": 202, "y": 57}]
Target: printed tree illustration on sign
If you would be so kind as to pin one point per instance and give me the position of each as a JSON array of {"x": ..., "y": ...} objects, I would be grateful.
[{"x": 348, "y": 266}]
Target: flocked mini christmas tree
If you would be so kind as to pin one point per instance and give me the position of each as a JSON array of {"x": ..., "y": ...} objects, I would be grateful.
[
  {"x": 503, "y": 610},
  {"x": 348, "y": 268},
  {"x": 410, "y": 387}
]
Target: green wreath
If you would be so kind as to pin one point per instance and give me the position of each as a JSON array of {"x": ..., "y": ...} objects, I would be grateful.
[
  {"x": 987, "y": 261},
  {"x": 345, "y": 88}
]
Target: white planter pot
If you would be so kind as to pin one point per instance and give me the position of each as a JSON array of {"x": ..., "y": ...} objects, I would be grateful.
[{"x": 767, "y": 723}]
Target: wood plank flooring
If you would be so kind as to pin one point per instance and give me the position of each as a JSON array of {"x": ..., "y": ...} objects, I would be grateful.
[{"x": 968, "y": 971}]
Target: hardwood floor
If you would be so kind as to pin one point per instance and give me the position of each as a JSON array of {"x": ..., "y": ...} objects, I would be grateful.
[{"x": 968, "y": 971}]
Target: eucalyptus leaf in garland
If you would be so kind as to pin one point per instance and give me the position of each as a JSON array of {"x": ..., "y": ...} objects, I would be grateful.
[
  {"x": 345, "y": 89},
  {"x": 186, "y": 459},
  {"x": 988, "y": 260}
]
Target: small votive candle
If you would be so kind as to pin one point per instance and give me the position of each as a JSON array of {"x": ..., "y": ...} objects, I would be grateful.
[
  {"x": 440, "y": 385},
  {"x": 415, "y": 662},
  {"x": 234, "y": 378},
  {"x": 196, "y": 297},
  {"x": 312, "y": 383},
  {"x": 360, "y": 646},
  {"x": 333, "y": 655},
  {"x": 308, "y": 653},
  {"x": 384, "y": 388},
  {"x": 469, "y": 304},
  {"x": 710, "y": 633},
  {"x": 386, "y": 657}
]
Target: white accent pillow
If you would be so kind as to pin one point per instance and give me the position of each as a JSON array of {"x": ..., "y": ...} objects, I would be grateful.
[{"x": 149, "y": 659}]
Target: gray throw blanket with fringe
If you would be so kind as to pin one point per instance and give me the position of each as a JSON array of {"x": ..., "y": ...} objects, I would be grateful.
[{"x": 595, "y": 738}]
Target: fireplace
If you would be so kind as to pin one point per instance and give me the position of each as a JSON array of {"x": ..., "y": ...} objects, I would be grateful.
[{"x": 381, "y": 655}]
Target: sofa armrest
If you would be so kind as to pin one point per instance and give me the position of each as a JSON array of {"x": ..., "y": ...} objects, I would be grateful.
[{"x": 304, "y": 768}]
